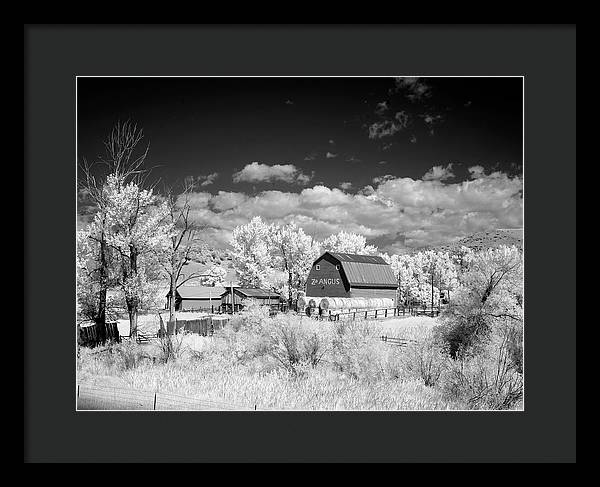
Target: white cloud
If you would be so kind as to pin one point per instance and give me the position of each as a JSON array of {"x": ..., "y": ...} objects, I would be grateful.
[
  {"x": 345, "y": 186},
  {"x": 209, "y": 179},
  {"x": 476, "y": 171},
  {"x": 381, "y": 107},
  {"x": 203, "y": 179},
  {"x": 289, "y": 102},
  {"x": 257, "y": 172},
  {"x": 392, "y": 210},
  {"x": 383, "y": 179},
  {"x": 377, "y": 130},
  {"x": 414, "y": 88},
  {"x": 330, "y": 155},
  {"x": 431, "y": 119},
  {"x": 439, "y": 173},
  {"x": 402, "y": 118}
]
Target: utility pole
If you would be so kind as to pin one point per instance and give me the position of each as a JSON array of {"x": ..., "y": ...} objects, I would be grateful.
[{"x": 432, "y": 271}]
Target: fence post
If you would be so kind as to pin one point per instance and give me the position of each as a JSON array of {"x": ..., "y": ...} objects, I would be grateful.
[
  {"x": 154, "y": 407},
  {"x": 366, "y": 314},
  {"x": 375, "y": 313},
  {"x": 77, "y": 390}
]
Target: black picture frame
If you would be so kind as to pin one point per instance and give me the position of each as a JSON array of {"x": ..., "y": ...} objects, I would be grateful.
[{"x": 544, "y": 54}]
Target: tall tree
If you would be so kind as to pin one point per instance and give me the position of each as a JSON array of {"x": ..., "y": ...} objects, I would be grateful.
[
  {"x": 252, "y": 253},
  {"x": 138, "y": 227},
  {"x": 185, "y": 244},
  {"x": 350, "y": 243},
  {"x": 295, "y": 253},
  {"x": 214, "y": 276},
  {"x": 124, "y": 158}
]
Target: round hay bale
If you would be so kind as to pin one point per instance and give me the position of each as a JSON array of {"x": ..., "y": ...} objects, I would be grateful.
[
  {"x": 387, "y": 302},
  {"x": 324, "y": 304}
]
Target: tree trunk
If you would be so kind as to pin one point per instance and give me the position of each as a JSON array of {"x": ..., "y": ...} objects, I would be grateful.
[
  {"x": 133, "y": 301},
  {"x": 133, "y": 318},
  {"x": 172, "y": 300},
  {"x": 289, "y": 290},
  {"x": 101, "y": 317}
]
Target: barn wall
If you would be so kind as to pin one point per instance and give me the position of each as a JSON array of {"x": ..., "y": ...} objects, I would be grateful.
[
  {"x": 372, "y": 293},
  {"x": 239, "y": 298},
  {"x": 226, "y": 298},
  {"x": 189, "y": 304},
  {"x": 327, "y": 281}
]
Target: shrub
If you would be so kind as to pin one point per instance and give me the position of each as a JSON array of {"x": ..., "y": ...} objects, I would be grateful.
[
  {"x": 171, "y": 347},
  {"x": 252, "y": 318},
  {"x": 358, "y": 352},
  {"x": 129, "y": 354},
  {"x": 490, "y": 379},
  {"x": 425, "y": 360},
  {"x": 297, "y": 345}
]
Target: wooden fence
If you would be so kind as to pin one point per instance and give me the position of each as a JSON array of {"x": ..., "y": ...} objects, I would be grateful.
[
  {"x": 372, "y": 313},
  {"x": 399, "y": 342},
  {"x": 96, "y": 334},
  {"x": 202, "y": 326}
]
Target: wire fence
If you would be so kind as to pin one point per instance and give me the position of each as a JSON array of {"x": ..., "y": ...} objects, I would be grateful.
[{"x": 93, "y": 397}]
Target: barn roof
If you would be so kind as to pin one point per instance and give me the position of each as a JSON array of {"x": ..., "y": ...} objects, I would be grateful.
[
  {"x": 199, "y": 292},
  {"x": 363, "y": 259},
  {"x": 255, "y": 292},
  {"x": 365, "y": 270}
]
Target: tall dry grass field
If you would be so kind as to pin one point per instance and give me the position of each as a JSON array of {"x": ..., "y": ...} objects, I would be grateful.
[{"x": 287, "y": 362}]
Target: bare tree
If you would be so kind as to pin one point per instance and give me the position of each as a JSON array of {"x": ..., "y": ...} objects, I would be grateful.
[{"x": 185, "y": 245}]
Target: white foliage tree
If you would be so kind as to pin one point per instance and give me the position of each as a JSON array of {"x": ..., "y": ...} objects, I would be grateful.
[
  {"x": 214, "y": 276},
  {"x": 295, "y": 251},
  {"x": 138, "y": 230},
  {"x": 252, "y": 253},
  {"x": 349, "y": 243}
]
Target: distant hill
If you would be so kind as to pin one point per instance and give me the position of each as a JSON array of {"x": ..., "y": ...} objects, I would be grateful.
[
  {"x": 485, "y": 240},
  {"x": 218, "y": 257}
]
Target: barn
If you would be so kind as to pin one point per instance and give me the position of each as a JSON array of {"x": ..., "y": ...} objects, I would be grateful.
[
  {"x": 189, "y": 298},
  {"x": 264, "y": 297},
  {"x": 336, "y": 274}
]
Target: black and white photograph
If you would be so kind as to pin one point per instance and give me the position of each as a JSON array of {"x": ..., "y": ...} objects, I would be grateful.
[{"x": 299, "y": 243}]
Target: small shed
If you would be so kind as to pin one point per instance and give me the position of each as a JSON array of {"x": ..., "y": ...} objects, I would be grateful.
[
  {"x": 336, "y": 274},
  {"x": 264, "y": 297},
  {"x": 196, "y": 298}
]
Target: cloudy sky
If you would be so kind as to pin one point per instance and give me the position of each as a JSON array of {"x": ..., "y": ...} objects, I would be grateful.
[{"x": 407, "y": 162}]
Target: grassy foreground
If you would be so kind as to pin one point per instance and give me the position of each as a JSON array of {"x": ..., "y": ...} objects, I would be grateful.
[{"x": 286, "y": 362}]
